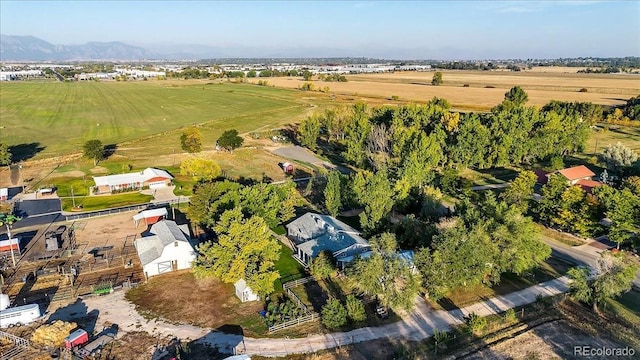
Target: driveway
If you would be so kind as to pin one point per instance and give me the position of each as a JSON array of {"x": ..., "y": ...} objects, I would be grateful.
[
  {"x": 418, "y": 325},
  {"x": 301, "y": 154}
]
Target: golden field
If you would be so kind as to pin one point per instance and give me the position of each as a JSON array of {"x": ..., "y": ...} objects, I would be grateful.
[{"x": 542, "y": 86}]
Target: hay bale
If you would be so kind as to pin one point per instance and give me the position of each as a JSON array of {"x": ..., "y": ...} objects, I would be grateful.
[{"x": 52, "y": 335}]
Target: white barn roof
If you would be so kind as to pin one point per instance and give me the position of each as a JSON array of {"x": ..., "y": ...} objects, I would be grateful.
[
  {"x": 150, "y": 213},
  {"x": 131, "y": 178}
]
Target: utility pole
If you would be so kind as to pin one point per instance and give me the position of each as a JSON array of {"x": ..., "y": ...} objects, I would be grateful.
[{"x": 73, "y": 199}]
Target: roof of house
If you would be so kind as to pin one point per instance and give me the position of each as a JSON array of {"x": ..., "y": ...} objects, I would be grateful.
[
  {"x": 162, "y": 233},
  {"x": 323, "y": 232},
  {"x": 131, "y": 178},
  {"x": 588, "y": 185},
  {"x": 576, "y": 172}
]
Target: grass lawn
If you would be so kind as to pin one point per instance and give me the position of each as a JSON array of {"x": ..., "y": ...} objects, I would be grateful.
[
  {"x": 559, "y": 236},
  {"x": 116, "y": 112},
  {"x": 626, "y": 307},
  {"x": 610, "y": 134},
  {"x": 488, "y": 176},
  {"x": 549, "y": 270},
  {"x": 90, "y": 203},
  {"x": 80, "y": 187},
  {"x": 288, "y": 268}
]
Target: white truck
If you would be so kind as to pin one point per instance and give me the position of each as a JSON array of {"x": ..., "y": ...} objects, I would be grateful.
[{"x": 19, "y": 315}]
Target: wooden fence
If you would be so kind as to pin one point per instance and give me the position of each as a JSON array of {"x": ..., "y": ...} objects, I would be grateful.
[
  {"x": 294, "y": 322},
  {"x": 21, "y": 345},
  {"x": 298, "y": 282}
]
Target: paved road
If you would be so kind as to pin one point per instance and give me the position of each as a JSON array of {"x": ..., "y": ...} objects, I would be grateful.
[
  {"x": 418, "y": 325},
  {"x": 580, "y": 255},
  {"x": 301, "y": 154}
]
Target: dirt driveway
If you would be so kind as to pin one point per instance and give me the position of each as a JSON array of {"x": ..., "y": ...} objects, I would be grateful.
[{"x": 298, "y": 153}]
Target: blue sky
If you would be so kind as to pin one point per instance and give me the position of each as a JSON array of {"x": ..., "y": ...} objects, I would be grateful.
[{"x": 421, "y": 29}]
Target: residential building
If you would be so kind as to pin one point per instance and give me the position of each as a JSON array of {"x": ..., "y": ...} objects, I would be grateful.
[{"x": 149, "y": 177}]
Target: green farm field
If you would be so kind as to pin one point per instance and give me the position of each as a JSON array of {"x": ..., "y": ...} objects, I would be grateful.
[{"x": 60, "y": 117}]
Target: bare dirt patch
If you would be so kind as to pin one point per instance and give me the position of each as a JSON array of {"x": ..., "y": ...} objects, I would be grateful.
[{"x": 180, "y": 298}]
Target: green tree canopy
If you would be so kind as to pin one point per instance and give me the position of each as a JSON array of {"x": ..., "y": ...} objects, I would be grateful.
[
  {"x": 618, "y": 156},
  {"x": 230, "y": 140},
  {"x": 5, "y": 154},
  {"x": 94, "y": 150},
  {"x": 309, "y": 131},
  {"x": 614, "y": 274},
  {"x": 323, "y": 265},
  {"x": 437, "y": 79},
  {"x": 386, "y": 274},
  {"x": 520, "y": 190},
  {"x": 245, "y": 250},
  {"x": 191, "y": 140},
  {"x": 334, "y": 315},
  {"x": 333, "y": 193},
  {"x": 374, "y": 192},
  {"x": 517, "y": 96},
  {"x": 355, "y": 309}
]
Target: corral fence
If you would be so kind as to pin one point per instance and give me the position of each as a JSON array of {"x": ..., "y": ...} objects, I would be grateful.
[
  {"x": 21, "y": 345},
  {"x": 153, "y": 205},
  {"x": 310, "y": 315}
]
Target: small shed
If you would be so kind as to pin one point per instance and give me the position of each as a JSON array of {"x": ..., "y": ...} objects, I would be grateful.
[
  {"x": 244, "y": 292},
  {"x": 150, "y": 217},
  {"x": 4, "y": 194},
  {"x": 288, "y": 168}
]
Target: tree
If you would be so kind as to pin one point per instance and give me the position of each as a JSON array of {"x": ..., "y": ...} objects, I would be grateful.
[
  {"x": 632, "y": 183},
  {"x": 520, "y": 191},
  {"x": 93, "y": 149},
  {"x": 437, "y": 79},
  {"x": 200, "y": 169},
  {"x": 210, "y": 200},
  {"x": 7, "y": 220},
  {"x": 252, "y": 73},
  {"x": 191, "y": 140},
  {"x": 618, "y": 156},
  {"x": 622, "y": 208},
  {"x": 357, "y": 132},
  {"x": 614, "y": 274},
  {"x": 323, "y": 265},
  {"x": 355, "y": 309},
  {"x": 5, "y": 154},
  {"x": 309, "y": 131},
  {"x": 551, "y": 200},
  {"x": 230, "y": 140},
  {"x": 517, "y": 96},
  {"x": 245, "y": 250},
  {"x": 374, "y": 192},
  {"x": 386, "y": 274},
  {"x": 306, "y": 75},
  {"x": 333, "y": 193},
  {"x": 334, "y": 315}
]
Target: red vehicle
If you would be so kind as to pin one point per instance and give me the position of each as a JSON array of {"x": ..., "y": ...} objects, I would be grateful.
[{"x": 76, "y": 338}]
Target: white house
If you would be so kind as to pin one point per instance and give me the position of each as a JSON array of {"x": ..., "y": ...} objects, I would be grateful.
[
  {"x": 166, "y": 248},
  {"x": 153, "y": 178},
  {"x": 313, "y": 233},
  {"x": 244, "y": 292}
]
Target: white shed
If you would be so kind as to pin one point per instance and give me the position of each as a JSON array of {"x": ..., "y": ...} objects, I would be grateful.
[{"x": 244, "y": 292}]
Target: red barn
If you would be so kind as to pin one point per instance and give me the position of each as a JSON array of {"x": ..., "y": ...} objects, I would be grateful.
[{"x": 150, "y": 216}]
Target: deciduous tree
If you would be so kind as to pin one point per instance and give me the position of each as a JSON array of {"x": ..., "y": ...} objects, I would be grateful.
[
  {"x": 334, "y": 315},
  {"x": 200, "y": 169},
  {"x": 333, "y": 193},
  {"x": 618, "y": 156},
  {"x": 309, "y": 131},
  {"x": 5, "y": 154},
  {"x": 520, "y": 190},
  {"x": 374, "y": 192},
  {"x": 355, "y": 309},
  {"x": 245, "y": 250},
  {"x": 230, "y": 140},
  {"x": 437, "y": 79},
  {"x": 94, "y": 150},
  {"x": 323, "y": 265},
  {"x": 191, "y": 140}
]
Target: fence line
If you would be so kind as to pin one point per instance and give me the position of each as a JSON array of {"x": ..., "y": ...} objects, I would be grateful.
[
  {"x": 121, "y": 209},
  {"x": 295, "y": 283},
  {"x": 15, "y": 339},
  {"x": 297, "y": 300},
  {"x": 294, "y": 322}
]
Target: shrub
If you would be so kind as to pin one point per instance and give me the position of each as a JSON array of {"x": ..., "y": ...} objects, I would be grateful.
[
  {"x": 440, "y": 336},
  {"x": 281, "y": 309},
  {"x": 465, "y": 85},
  {"x": 334, "y": 315},
  {"x": 395, "y": 97},
  {"x": 583, "y": 90},
  {"x": 355, "y": 309},
  {"x": 475, "y": 323},
  {"x": 509, "y": 316},
  {"x": 489, "y": 87}
]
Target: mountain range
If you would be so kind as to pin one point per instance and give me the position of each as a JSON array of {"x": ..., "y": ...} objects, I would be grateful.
[{"x": 30, "y": 48}]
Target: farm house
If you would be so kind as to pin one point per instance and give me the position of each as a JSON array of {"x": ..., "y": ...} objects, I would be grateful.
[
  {"x": 150, "y": 217},
  {"x": 165, "y": 248},
  {"x": 153, "y": 178},
  {"x": 244, "y": 292}
]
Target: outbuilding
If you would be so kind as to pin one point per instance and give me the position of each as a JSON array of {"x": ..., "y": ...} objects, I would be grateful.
[
  {"x": 165, "y": 248},
  {"x": 150, "y": 217},
  {"x": 244, "y": 292}
]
